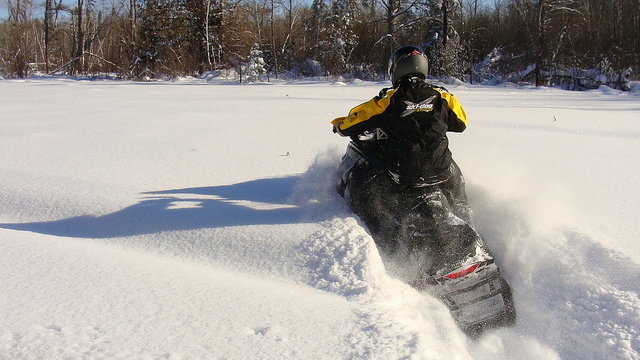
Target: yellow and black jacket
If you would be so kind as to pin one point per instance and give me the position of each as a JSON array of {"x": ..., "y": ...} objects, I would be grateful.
[{"x": 415, "y": 118}]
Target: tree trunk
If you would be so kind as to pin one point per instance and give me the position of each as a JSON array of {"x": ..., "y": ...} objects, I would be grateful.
[
  {"x": 541, "y": 42},
  {"x": 132, "y": 21},
  {"x": 206, "y": 25},
  {"x": 47, "y": 25},
  {"x": 80, "y": 42},
  {"x": 390, "y": 26},
  {"x": 274, "y": 52},
  {"x": 445, "y": 22}
]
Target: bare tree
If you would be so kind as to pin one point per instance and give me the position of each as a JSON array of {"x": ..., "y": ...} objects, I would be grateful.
[
  {"x": 548, "y": 11},
  {"x": 79, "y": 52},
  {"x": 19, "y": 40},
  {"x": 47, "y": 25}
]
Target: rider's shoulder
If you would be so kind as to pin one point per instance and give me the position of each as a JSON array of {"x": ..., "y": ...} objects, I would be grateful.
[
  {"x": 440, "y": 89},
  {"x": 385, "y": 92}
]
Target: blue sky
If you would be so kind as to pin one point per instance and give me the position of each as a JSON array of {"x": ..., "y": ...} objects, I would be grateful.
[
  {"x": 38, "y": 8},
  {"x": 4, "y": 13}
]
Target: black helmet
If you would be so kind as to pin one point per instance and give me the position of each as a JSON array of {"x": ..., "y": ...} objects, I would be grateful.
[{"x": 407, "y": 61}]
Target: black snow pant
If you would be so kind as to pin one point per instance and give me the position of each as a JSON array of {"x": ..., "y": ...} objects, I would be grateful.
[{"x": 416, "y": 219}]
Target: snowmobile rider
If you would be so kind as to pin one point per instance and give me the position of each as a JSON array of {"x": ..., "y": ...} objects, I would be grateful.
[
  {"x": 409, "y": 122},
  {"x": 399, "y": 177}
]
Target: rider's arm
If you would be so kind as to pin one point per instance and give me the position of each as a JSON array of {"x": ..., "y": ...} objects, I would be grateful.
[
  {"x": 363, "y": 117},
  {"x": 457, "y": 118}
]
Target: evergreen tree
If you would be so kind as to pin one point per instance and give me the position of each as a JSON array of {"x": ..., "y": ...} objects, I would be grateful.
[
  {"x": 160, "y": 31},
  {"x": 342, "y": 39},
  {"x": 257, "y": 66},
  {"x": 442, "y": 42},
  {"x": 315, "y": 29}
]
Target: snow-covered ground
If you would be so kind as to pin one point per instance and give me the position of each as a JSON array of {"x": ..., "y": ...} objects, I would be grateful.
[{"x": 197, "y": 220}]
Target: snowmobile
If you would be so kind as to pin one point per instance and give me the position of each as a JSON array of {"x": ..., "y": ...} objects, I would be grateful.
[{"x": 431, "y": 225}]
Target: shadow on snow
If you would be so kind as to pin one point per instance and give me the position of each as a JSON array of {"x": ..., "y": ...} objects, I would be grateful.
[{"x": 257, "y": 202}]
